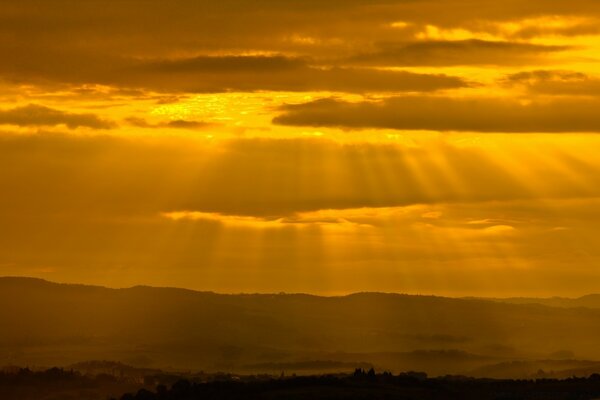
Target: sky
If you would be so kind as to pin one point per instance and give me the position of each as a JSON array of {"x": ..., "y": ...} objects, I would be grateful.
[{"x": 328, "y": 147}]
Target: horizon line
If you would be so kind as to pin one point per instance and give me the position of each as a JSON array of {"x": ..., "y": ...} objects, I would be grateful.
[{"x": 284, "y": 293}]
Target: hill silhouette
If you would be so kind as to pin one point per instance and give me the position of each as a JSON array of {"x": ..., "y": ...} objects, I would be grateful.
[
  {"x": 58, "y": 383},
  {"x": 51, "y": 324},
  {"x": 588, "y": 301},
  {"x": 369, "y": 385}
]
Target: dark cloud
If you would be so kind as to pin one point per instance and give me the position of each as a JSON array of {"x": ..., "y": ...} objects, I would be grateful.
[
  {"x": 185, "y": 124},
  {"x": 36, "y": 115},
  {"x": 62, "y": 40},
  {"x": 176, "y": 123},
  {"x": 545, "y": 75},
  {"x": 251, "y": 73},
  {"x": 151, "y": 26},
  {"x": 446, "y": 114},
  {"x": 458, "y": 52},
  {"x": 555, "y": 82},
  {"x": 235, "y": 73},
  {"x": 224, "y": 64}
]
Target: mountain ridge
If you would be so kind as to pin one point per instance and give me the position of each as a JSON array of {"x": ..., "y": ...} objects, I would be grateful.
[
  {"x": 46, "y": 323},
  {"x": 513, "y": 300}
]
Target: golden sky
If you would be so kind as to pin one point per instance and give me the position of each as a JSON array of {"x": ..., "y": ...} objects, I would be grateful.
[{"x": 425, "y": 146}]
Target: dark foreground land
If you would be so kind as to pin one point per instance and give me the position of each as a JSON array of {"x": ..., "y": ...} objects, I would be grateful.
[
  {"x": 59, "y": 384},
  {"x": 385, "y": 386}
]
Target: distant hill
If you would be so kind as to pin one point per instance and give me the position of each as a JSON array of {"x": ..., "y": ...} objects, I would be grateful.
[
  {"x": 45, "y": 323},
  {"x": 589, "y": 301}
]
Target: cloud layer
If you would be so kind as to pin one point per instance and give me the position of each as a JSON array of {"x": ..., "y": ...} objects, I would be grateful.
[
  {"x": 36, "y": 115},
  {"x": 456, "y": 52},
  {"x": 446, "y": 114}
]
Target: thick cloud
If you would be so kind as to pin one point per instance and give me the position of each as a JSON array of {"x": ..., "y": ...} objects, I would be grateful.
[
  {"x": 36, "y": 115},
  {"x": 459, "y": 52},
  {"x": 150, "y": 26},
  {"x": 67, "y": 41},
  {"x": 278, "y": 73},
  {"x": 448, "y": 114},
  {"x": 555, "y": 82},
  {"x": 176, "y": 123},
  {"x": 231, "y": 73}
]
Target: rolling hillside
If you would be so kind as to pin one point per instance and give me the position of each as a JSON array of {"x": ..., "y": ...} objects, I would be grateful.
[{"x": 45, "y": 323}]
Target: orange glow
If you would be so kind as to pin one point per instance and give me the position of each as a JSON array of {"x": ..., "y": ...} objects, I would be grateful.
[{"x": 162, "y": 160}]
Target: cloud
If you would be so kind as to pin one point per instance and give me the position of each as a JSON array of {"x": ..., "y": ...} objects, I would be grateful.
[
  {"x": 518, "y": 30},
  {"x": 229, "y": 220},
  {"x": 213, "y": 74},
  {"x": 457, "y": 52},
  {"x": 278, "y": 73},
  {"x": 499, "y": 229},
  {"x": 234, "y": 24},
  {"x": 363, "y": 217},
  {"x": 555, "y": 26},
  {"x": 210, "y": 74},
  {"x": 555, "y": 82},
  {"x": 176, "y": 123},
  {"x": 335, "y": 219},
  {"x": 40, "y": 44},
  {"x": 36, "y": 115},
  {"x": 448, "y": 114}
]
